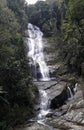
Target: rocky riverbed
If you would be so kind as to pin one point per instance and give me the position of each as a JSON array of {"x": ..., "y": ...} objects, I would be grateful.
[
  {"x": 68, "y": 113},
  {"x": 69, "y": 116}
]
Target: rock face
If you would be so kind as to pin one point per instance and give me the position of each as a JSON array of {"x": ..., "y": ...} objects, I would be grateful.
[
  {"x": 60, "y": 99},
  {"x": 34, "y": 126},
  {"x": 68, "y": 92},
  {"x": 69, "y": 116}
]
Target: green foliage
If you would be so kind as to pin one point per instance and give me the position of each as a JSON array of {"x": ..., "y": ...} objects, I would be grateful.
[
  {"x": 55, "y": 18},
  {"x": 63, "y": 19},
  {"x": 46, "y": 15},
  {"x": 73, "y": 45},
  {"x": 76, "y": 9},
  {"x": 18, "y": 7},
  {"x": 7, "y": 19},
  {"x": 17, "y": 92}
]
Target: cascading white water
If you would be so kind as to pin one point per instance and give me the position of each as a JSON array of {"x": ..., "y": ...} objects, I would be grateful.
[
  {"x": 35, "y": 44},
  {"x": 70, "y": 96},
  {"x": 38, "y": 64},
  {"x": 72, "y": 92},
  {"x": 44, "y": 105}
]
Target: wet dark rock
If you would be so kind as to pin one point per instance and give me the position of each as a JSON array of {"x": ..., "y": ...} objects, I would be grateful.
[
  {"x": 59, "y": 100},
  {"x": 49, "y": 114},
  {"x": 35, "y": 71},
  {"x": 70, "y": 116},
  {"x": 68, "y": 91},
  {"x": 37, "y": 108}
]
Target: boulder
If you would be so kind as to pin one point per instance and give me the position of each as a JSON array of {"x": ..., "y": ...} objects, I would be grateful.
[
  {"x": 67, "y": 93},
  {"x": 59, "y": 100}
]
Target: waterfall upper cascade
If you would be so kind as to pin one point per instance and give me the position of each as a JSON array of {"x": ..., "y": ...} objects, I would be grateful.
[{"x": 35, "y": 44}]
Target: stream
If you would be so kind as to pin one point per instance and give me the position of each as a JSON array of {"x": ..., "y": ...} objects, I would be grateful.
[
  {"x": 63, "y": 117},
  {"x": 40, "y": 70}
]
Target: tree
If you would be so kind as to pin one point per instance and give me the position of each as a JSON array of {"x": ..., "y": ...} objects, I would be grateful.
[
  {"x": 18, "y": 7},
  {"x": 17, "y": 92},
  {"x": 73, "y": 46}
]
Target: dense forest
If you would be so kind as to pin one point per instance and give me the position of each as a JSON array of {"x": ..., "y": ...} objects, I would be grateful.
[
  {"x": 61, "y": 20},
  {"x": 17, "y": 92}
]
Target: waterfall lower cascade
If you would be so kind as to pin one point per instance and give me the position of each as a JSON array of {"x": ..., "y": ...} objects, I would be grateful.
[
  {"x": 44, "y": 105},
  {"x": 70, "y": 94},
  {"x": 40, "y": 70}
]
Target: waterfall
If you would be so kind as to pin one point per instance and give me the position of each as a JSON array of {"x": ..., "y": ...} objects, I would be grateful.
[
  {"x": 38, "y": 65},
  {"x": 70, "y": 94},
  {"x": 44, "y": 104},
  {"x": 35, "y": 53}
]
